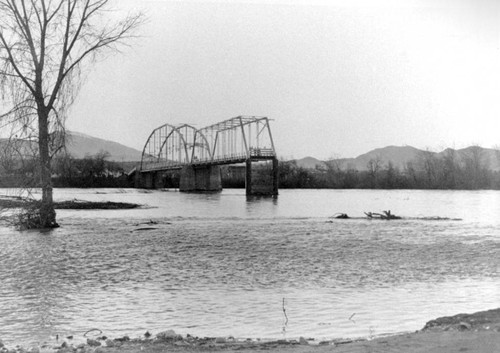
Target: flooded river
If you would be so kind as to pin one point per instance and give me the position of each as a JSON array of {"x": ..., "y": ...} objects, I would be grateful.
[{"x": 223, "y": 264}]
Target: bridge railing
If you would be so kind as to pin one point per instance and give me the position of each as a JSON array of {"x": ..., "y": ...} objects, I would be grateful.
[
  {"x": 161, "y": 165},
  {"x": 262, "y": 152},
  {"x": 230, "y": 159}
]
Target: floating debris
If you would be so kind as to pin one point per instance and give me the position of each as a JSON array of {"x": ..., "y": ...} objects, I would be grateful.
[
  {"x": 340, "y": 216},
  {"x": 385, "y": 215},
  {"x": 93, "y": 331}
]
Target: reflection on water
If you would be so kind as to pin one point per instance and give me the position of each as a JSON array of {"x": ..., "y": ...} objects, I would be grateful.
[
  {"x": 221, "y": 264},
  {"x": 261, "y": 205}
]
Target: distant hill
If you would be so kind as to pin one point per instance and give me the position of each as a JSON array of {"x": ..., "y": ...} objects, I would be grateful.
[
  {"x": 309, "y": 162},
  {"x": 400, "y": 155},
  {"x": 79, "y": 145},
  {"x": 490, "y": 157}
]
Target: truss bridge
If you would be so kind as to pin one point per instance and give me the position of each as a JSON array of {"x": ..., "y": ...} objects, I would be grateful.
[{"x": 197, "y": 155}]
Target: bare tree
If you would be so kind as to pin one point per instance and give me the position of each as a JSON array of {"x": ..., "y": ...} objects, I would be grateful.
[
  {"x": 44, "y": 45},
  {"x": 373, "y": 166},
  {"x": 476, "y": 167},
  {"x": 428, "y": 164},
  {"x": 496, "y": 148},
  {"x": 334, "y": 167},
  {"x": 450, "y": 169}
]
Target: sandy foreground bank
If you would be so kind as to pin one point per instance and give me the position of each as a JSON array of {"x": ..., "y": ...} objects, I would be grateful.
[{"x": 478, "y": 333}]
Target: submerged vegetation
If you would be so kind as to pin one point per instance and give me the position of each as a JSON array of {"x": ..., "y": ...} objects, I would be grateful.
[
  {"x": 28, "y": 204},
  {"x": 23, "y": 209},
  {"x": 26, "y": 213}
]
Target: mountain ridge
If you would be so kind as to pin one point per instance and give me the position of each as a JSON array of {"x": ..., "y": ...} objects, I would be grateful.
[
  {"x": 80, "y": 145},
  {"x": 399, "y": 156}
]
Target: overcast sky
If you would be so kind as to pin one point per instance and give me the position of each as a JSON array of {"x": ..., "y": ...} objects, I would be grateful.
[{"x": 337, "y": 78}]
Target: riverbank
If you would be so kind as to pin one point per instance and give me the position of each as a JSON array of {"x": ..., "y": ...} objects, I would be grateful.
[{"x": 473, "y": 333}]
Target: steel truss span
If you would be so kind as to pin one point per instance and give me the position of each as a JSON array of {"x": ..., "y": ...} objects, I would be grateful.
[{"x": 230, "y": 141}]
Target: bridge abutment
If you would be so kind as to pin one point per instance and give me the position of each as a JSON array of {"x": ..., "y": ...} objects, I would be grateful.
[
  {"x": 206, "y": 178},
  {"x": 261, "y": 177}
]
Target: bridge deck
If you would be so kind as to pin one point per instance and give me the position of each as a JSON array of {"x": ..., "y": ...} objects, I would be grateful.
[{"x": 255, "y": 155}]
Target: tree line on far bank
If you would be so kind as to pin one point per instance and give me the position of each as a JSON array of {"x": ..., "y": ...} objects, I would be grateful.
[
  {"x": 67, "y": 171},
  {"x": 469, "y": 171},
  {"x": 427, "y": 171}
]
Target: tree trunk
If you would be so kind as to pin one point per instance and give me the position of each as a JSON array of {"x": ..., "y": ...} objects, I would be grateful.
[{"x": 47, "y": 212}]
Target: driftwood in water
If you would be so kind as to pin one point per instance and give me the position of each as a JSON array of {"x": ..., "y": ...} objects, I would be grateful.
[{"x": 385, "y": 215}]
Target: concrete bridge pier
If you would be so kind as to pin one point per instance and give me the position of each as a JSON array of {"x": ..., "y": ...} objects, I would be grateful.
[
  {"x": 203, "y": 178},
  {"x": 145, "y": 180},
  {"x": 262, "y": 178}
]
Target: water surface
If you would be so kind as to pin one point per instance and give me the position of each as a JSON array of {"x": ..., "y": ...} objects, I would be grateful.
[{"x": 221, "y": 264}]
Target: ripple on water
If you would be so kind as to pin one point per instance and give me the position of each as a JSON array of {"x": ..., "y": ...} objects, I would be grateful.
[{"x": 228, "y": 276}]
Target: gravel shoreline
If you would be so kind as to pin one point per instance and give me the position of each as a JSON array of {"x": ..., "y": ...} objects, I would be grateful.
[{"x": 478, "y": 332}]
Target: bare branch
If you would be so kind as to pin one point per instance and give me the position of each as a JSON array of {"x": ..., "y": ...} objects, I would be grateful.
[
  {"x": 43, "y": 46},
  {"x": 10, "y": 58}
]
